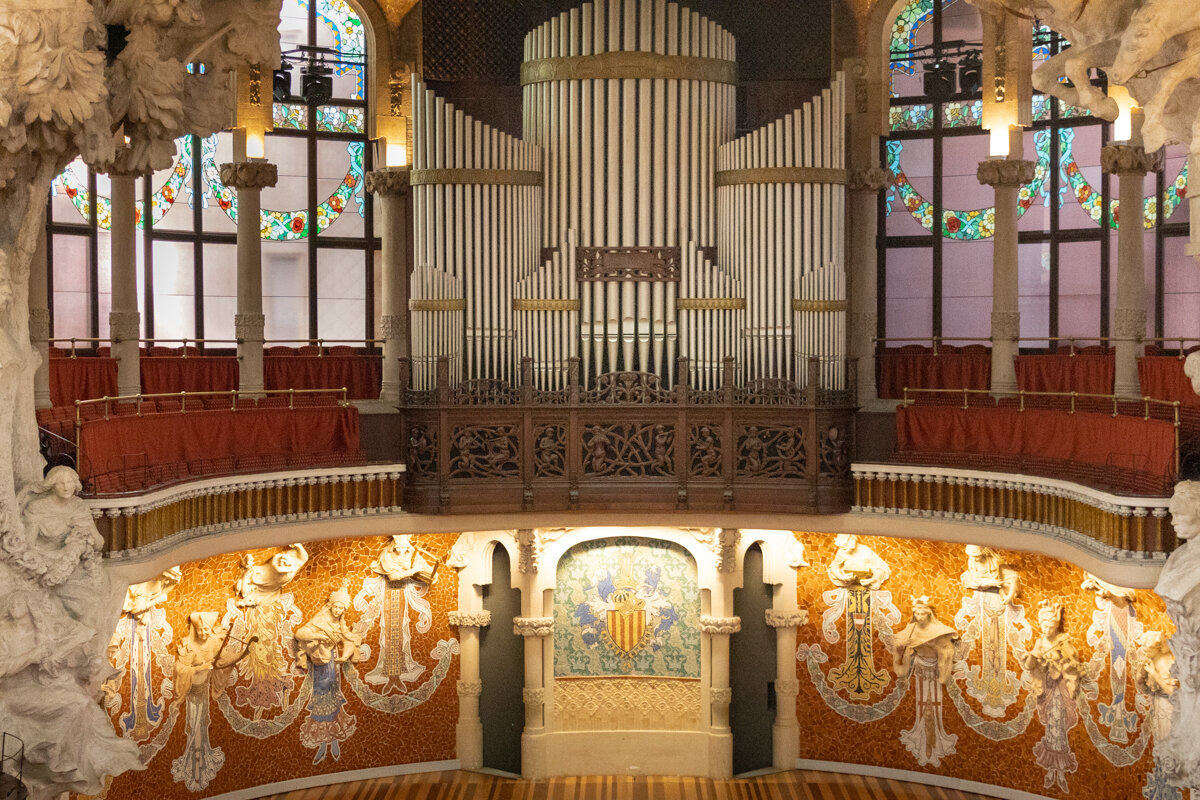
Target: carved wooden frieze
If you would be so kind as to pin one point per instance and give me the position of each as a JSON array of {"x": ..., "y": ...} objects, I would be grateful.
[{"x": 628, "y": 264}]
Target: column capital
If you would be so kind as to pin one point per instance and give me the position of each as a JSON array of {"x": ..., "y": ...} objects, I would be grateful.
[
  {"x": 533, "y": 697},
  {"x": 124, "y": 326},
  {"x": 869, "y": 179},
  {"x": 1128, "y": 159},
  {"x": 252, "y": 174},
  {"x": 720, "y": 626},
  {"x": 470, "y": 619},
  {"x": 777, "y": 618},
  {"x": 469, "y": 688},
  {"x": 533, "y": 626},
  {"x": 1005, "y": 172},
  {"x": 721, "y": 697},
  {"x": 389, "y": 180}
]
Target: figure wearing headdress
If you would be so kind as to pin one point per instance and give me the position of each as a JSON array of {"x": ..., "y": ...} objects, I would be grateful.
[
  {"x": 1053, "y": 672},
  {"x": 925, "y": 649},
  {"x": 326, "y": 642},
  {"x": 407, "y": 576},
  {"x": 259, "y": 590}
]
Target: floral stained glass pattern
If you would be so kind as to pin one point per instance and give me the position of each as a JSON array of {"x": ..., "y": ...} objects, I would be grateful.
[
  {"x": 911, "y": 118},
  {"x": 349, "y": 35},
  {"x": 75, "y": 188},
  {"x": 904, "y": 31},
  {"x": 341, "y": 119},
  {"x": 294, "y": 117},
  {"x": 962, "y": 114}
]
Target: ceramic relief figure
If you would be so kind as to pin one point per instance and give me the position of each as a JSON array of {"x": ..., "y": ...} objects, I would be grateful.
[
  {"x": 201, "y": 671},
  {"x": 404, "y": 574},
  {"x": 1052, "y": 673},
  {"x": 925, "y": 650},
  {"x": 1152, "y": 676},
  {"x": 326, "y": 643},
  {"x": 268, "y": 616},
  {"x": 859, "y": 573},
  {"x": 991, "y": 616},
  {"x": 1113, "y": 635}
]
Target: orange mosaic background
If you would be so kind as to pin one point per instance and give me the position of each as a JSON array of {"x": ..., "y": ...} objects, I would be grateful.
[
  {"x": 934, "y": 569},
  {"x": 422, "y": 734}
]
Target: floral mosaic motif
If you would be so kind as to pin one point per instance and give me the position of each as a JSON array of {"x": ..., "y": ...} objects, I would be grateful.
[
  {"x": 70, "y": 184},
  {"x": 960, "y": 114},
  {"x": 904, "y": 31},
  {"x": 485, "y": 451},
  {"x": 706, "y": 451},
  {"x": 549, "y": 459},
  {"x": 629, "y": 450},
  {"x": 865, "y": 611},
  {"x": 349, "y": 34},
  {"x": 917, "y": 117},
  {"x": 771, "y": 452},
  {"x": 137, "y": 648},
  {"x": 627, "y": 606},
  {"x": 341, "y": 119},
  {"x": 294, "y": 117}
]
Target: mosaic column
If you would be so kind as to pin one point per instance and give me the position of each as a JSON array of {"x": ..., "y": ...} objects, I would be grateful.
[
  {"x": 468, "y": 733},
  {"x": 786, "y": 731},
  {"x": 1005, "y": 176},
  {"x": 392, "y": 187},
  {"x": 865, "y": 185},
  {"x": 248, "y": 178},
  {"x": 1130, "y": 163},
  {"x": 124, "y": 321},
  {"x": 39, "y": 323}
]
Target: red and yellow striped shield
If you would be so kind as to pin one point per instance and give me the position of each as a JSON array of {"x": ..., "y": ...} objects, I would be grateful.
[{"x": 626, "y": 628}]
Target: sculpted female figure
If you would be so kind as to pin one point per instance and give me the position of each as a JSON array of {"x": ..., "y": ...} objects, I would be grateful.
[
  {"x": 856, "y": 564},
  {"x": 262, "y": 583},
  {"x": 326, "y": 642}
]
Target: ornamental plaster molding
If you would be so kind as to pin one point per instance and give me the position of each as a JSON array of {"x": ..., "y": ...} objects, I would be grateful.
[
  {"x": 533, "y": 626},
  {"x": 530, "y": 544},
  {"x": 389, "y": 181},
  {"x": 1129, "y": 323},
  {"x": 469, "y": 688},
  {"x": 1005, "y": 172},
  {"x": 604, "y": 704},
  {"x": 533, "y": 698},
  {"x": 124, "y": 326},
  {"x": 1127, "y": 159},
  {"x": 777, "y": 618},
  {"x": 39, "y": 324},
  {"x": 252, "y": 174},
  {"x": 470, "y": 619},
  {"x": 721, "y": 697},
  {"x": 721, "y": 542},
  {"x": 871, "y": 180},
  {"x": 787, "y": 687},
  {"x": 1006, "y": 325},
  {"x": 720, "y": 626},
  {"x": 250, "y": 327},
  {"x": 393, "y": 326}
]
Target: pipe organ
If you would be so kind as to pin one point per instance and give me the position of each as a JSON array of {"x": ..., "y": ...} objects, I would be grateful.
[{"x": 627, "y": 227}]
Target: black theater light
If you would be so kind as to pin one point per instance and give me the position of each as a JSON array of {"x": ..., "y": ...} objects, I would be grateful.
[
  {"x": 939, "y": 80},
  {"x": 970, "y": 74},
  {"x": 316, "y": 83},
  {"x": 282, "y": 88}
]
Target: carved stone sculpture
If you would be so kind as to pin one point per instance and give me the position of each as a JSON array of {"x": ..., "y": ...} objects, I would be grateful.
[
  {"x": 1118, "y": 595},
  {"x": 261, "y": 583},
  {"x": 401, "y": 560},
  {"x": 856, "y": 564},
  {"x": 925, "y": 636},
  {"x": 985, "y": 571},
  {"x": 1053, "y": 673},
  {"x": 1191, "y": 368},
  {"x": 327, "y": 642},
  {"x": 1154, "y": 662},
  {"x": 142, "y": 597},
  {"x": 1053, "y": 656}
]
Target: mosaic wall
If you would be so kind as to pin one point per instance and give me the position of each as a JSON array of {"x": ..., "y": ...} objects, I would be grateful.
[
  {"x": 252, "y": 668},
  {"x": 992, "y": 683},
  {"x": 627, "y": 607}
]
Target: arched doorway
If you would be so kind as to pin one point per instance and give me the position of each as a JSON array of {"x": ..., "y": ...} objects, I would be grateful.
[
  {"x": 502, "y": 667},
  {"x": 752, "y": 670}
]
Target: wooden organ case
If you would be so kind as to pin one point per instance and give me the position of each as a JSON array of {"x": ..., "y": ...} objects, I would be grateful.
[{"x": 640, "y": 301}]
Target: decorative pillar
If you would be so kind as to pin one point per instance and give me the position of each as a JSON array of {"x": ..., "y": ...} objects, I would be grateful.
[
  {"x": 536, "y": 631},
  {"x": 864, "y": 186},
  {"x": 1005, "y": 176},
  {"x": 248, "y": 178},
  {"x": 786, "y": 731},
  {"x": 392, "y": 186},
  {"x": 719, "y": 629},
  {"x": 468, "y": 733},
  {"x": 39, "y": 323},
  {"x": 124, "y": 321},
  {"x": 1130, "y": 163}
]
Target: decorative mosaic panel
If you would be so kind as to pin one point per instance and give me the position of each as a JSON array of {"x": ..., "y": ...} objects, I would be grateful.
[{"x": 625, "y": 607}]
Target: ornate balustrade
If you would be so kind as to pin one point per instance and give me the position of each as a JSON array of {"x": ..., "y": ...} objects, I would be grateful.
[
  {"x": 627, "y": 443},
  {"x": 1110, "y": 525},
  {"x": 167, "y": 517}
]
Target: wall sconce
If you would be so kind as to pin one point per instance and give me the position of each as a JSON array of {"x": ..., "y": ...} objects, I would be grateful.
[
  {"x": 396, "y": 155},
  {"x": 1123, "y": 126},
  {"x": 998, "y": 140},
  {"x": 256, "y": 146}
]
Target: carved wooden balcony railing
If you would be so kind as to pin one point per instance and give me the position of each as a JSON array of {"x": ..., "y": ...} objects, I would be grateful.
[
  {"x": 627, "y": 443},
  {"x": 1112, "y": 526}
]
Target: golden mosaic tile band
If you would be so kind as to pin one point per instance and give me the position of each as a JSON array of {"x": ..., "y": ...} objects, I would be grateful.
[
  {"x": 475, "y": 177},
  {"x": 544, "y": 304},
  {"x": 448, "y": 304},
  {"x": 819, "y": 305},
  {"x": 617, "y": 65},
  {"x": 626, "y": 704},
  {"x": 711, "y": 304}
]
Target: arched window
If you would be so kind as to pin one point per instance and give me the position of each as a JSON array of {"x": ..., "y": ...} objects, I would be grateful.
[
  {"x": 317, "y": 278},
  {"x": 937, "y": 279}
]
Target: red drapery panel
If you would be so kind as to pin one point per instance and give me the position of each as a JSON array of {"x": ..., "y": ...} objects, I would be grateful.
[
  {"x": 1162, "y": 378},
  {"x": 116, "y": 444},
  {"x": 947, "y": 370},
  {"x": 361, "y": 375},
  {"x": 1100, "y": 439},
  {"x": 1089, "y": 373},
  {"x": 74, "y": 379},
  {"x": 191, "y": 374}
]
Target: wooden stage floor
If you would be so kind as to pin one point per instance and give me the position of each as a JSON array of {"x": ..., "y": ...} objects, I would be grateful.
[{"x": 793, "y": 785}]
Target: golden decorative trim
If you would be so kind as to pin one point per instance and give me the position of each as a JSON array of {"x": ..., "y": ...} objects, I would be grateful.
[
  {"x": 544, "y": 304},
  {"x": 819, "y": 305},
  {"x": 738, "y": 177},
  {"x": 476, "y": 177},
  {"x": 627, "y": 704},
  {"x": 449, "y": 304},
  {"x": 629, "y": 64},
  {"x": 711, "y": 303}
]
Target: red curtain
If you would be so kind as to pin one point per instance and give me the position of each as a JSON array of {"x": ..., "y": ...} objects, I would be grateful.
[
  {"x": 191, "y": 374},
  {"x": 947, "y": 370},
  {"x": 1089, "y": 373},
  {"x": 74, "y": 379},
  {"x": 114, "y": 444},
  {"x": 1100, "y": 439},
  {"x": 1162, "y": 378},
  {"x": 361, "y": 375}
]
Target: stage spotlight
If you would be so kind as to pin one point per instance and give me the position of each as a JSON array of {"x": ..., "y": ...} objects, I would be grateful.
[
  {"x": 316, "y": 82},
  {"x": 939, "y": 80},
  {"x": 283, "y": 83},
  {"x": 970, "y": 74}
]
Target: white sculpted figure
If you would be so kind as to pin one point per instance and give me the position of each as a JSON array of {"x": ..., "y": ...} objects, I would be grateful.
[
  {"x": 407, "y": 576},
  {"x": 1054, "y": 671},
  {"x": 926, "y": 636},
  {"x": 261, "y": 584},
  {"x": 326, "y": 643},
  {"x": 401, "y": 560},
  {"x": 856, "y": 564},
  {"x": 1191, "y": 368},
  {"x": 1153, "y": 673},
  {"x": 142, "y": 597},
  {"x": 1117, "y": 595},
  {"x": 986, "y": 571},
  {"x": 925, "y": 649}
]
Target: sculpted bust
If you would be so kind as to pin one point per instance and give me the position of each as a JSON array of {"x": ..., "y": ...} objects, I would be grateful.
[
  {"x": 1153, "y": 672},
  {"x": 1181, "y": 573},
  {"x": 326, "y": 637},
  {"x": 856, "y": 564},
  {"x": 926, "y": 636},
  {"x": 142, "y": 597},
  {"x": 262, "y": 583},
  {"x": 985, "y": 572},
  {"x": 401, "y": 560}
]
